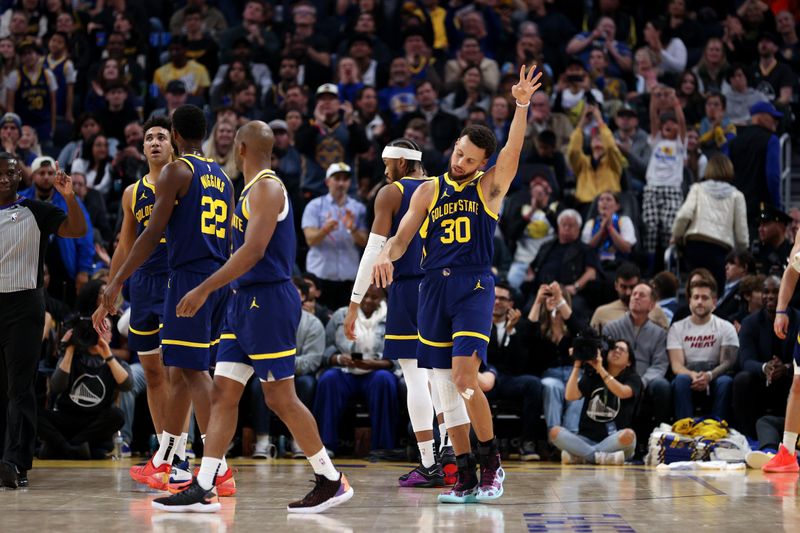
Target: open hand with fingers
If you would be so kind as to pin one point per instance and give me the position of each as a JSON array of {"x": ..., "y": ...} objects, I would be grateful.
[
  {"x": 63, "y": 182},
  {"x": 527, "y": 85}
]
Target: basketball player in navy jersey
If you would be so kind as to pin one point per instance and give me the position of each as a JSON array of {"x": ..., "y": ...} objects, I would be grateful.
[
  {"x": 404, "y": 172},
  {"x": 457, "y": 213},
  {"x": 147, "y": 287},
  {"x": 194, "y": 204},
  {"x": 260, "y": 332}
]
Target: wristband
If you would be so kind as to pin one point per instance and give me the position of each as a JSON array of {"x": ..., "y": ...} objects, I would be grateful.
[
  {"x": 562, "y": 303},
  {"x": 523, "y": 105},
  {"x": 784, "y": 312}
]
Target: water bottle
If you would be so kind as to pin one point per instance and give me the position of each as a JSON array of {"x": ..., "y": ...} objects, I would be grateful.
[
  {"x": 281, "y": 446},
  {"x": 117, "y": 453}
]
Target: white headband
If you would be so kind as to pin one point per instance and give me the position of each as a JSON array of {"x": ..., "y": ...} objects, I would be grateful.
[{"x": 397, "y": 152}]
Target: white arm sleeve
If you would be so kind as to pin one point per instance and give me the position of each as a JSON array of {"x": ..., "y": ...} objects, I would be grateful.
[{"x": 374, "y": 246}]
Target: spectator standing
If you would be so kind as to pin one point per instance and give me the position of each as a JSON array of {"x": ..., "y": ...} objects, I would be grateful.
[
  {"x": 60, "y": 64},
  {"x": 663, "y": 194},
  {"x": 702, "y": 352},
  {"x": 755, "y": 154},
  {"x": 670, "y": 51},
  {"x": 632, "y": 142},
  {"x": 605, "y": 435},
  {"x": 335, "y": 228},
  {"x": 773, "y": 78},
  {"x": 367, "y": 375},
  {"x": 766, "y": 363},
  {"x": 27, "y": 225},
  {"x": 713, "y": 220}
]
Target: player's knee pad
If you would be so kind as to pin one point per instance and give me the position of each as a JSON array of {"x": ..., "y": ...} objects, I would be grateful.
[
  {"x": 236, "y": 371},
  {"x": 453, "y": 407}
]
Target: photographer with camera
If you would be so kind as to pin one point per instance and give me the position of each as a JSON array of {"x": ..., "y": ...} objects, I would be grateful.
[
  {"x": 87, "y": 379},
  {"x": 612, "y": 388}
]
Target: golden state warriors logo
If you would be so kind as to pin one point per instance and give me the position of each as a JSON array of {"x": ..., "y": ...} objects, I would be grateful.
[{"x": 253, "y": 304}]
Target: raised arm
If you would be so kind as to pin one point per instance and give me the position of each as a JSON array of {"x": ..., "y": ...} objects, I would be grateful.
[
  {"x": 265, "y": 202},
  {"x": 497, "y": 180},
  {"x": 75, "y": 226},
  {"x": 395, "y": 247}
]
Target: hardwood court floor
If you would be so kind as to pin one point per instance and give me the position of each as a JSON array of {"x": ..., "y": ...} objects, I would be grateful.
[{"x": 100, "y": 497}]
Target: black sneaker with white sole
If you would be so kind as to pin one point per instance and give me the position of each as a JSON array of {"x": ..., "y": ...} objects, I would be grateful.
[
  {"x": 195, "y": 499},
  {"x": 323, "y": 496}
]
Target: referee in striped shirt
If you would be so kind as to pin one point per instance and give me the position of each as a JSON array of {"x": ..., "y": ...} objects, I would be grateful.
[{"x": 25, "y": 228}]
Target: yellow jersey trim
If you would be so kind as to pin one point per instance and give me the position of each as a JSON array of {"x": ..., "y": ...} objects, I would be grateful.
[
  {"x": 134, "y": 197},
  {"x": 471, "y": 334},
  {"x": 172, "y": 342},
  {"x": 191, "y": 165},
  {"x": 201, "y": 158},
  {"x": 245, "y": 210},
  {"x": 433, "y": 343},
  {"x": 399, "y": 186},
  {"x": 136, "y": 331},
  {"x": 147, "y": 183},
  {"x": 273, "y": 355},
  {"x": 483, "y": 201},
  {"x": 227, "y": 336},
  {"x": 461, "y": 186},
  {"x": 423, "y": 231},
  {"x": 401, "y": 337}
]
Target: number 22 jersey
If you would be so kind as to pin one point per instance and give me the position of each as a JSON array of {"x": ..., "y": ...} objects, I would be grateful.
[
  {"x": 198, "y": 232},
  {"x": 459, "y": 230}
]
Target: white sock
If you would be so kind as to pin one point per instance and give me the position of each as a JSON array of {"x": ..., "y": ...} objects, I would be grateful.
[
  {"x": 789, "y": 441},
  {"x": 262, "y": 439},
  {"x": 443, "y": 439},
  {"x": 209, "y": 468},
  {"x": 166, "y": 449},
  {"x": 323, "y": 466},
  {"x": 426, "y": 453},
  {"x": 180, "y": 449}
]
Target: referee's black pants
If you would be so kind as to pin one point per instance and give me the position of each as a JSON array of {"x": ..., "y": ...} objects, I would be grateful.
[{"x": 21, "y": 327}]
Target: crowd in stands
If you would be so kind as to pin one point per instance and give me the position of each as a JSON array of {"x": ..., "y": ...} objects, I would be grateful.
[{"x": 647, "y": 203}]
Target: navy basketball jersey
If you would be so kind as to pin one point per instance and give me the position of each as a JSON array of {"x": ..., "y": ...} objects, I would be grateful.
[
  {"x": 58, "y": 70},
  {"x": 32, "y": 99},
  {"x": 459, "y": 230},
  {"x": 279, "y": 257},
  {"x": 198, "y": 231},
  {"x": 410, "y": 263},
  {"x": 142, "y": 201}
]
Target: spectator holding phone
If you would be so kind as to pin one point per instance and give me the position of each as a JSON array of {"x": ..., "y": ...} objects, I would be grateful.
[
  {"x": 358, "y": 369},
  {"x": 611, "y": 387}
]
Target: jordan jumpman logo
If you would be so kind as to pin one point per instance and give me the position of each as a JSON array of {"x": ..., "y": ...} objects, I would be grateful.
[
  {"x": 253, "y": 304},
  {"x": 478, "y": 286}
]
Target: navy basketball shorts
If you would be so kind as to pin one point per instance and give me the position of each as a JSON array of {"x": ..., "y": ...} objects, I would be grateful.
[
  {"x": 146, "y": 295},
  {"x": 191, "y": 342},
  {"x": 261, "y": 329},
  {"x": 401, "y": 319},
  {"x": 454, "y": 316}
]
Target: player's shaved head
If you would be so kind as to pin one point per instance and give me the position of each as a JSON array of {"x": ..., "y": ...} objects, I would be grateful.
[{"x": 254, "y": 143}]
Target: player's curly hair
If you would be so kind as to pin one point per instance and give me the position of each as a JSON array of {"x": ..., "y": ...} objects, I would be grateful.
[
  {"x": 189, "y": 122},
  {"x": 158, "y": 122},
  {"x": 482, "y": 137}
]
